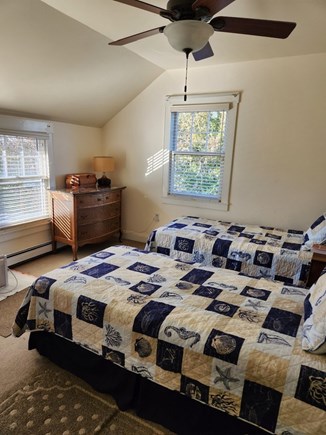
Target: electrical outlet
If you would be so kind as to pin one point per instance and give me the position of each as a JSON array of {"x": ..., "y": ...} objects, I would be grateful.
[{"x": 156, "y": 217}]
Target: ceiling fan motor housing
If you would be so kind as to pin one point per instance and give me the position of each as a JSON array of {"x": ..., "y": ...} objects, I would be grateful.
[{"x": 182, "y": 10}]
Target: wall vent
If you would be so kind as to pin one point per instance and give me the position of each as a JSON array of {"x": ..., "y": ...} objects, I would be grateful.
[{"x": 3, "y": 271}]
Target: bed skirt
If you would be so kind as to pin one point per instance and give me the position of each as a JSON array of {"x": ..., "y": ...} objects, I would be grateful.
[{"x": 171, "y": 409}]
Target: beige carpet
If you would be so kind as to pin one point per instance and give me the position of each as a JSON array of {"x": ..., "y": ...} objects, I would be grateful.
[
  {"x": 17, "y": 281},
  {"x": 11, "y": 298},
  {"x": 37, "y": 398},
  {"x": 8, "y": 310}
]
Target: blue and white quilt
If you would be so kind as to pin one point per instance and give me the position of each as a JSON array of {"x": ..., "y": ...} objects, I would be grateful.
[
  {"x": 253, "y": 250},
  {"x": 230, "y": 341}
]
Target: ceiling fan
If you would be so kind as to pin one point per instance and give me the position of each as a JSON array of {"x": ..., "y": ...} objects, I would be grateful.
[{"x": 190, "y": 30}]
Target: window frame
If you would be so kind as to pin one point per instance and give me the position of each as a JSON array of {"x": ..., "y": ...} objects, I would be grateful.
[
  {"x": 12, "y": 125},
  {"x": 196, "y": 102}
]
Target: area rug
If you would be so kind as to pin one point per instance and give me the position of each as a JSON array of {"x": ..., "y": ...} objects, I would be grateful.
[
  {"x": 56, "y": 402},
  {"x": 11, "y": 298}
]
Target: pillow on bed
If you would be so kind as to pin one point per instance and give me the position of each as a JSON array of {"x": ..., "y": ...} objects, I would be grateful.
[
  {"x": 316, "y": 233},
  {"x": 314, "y": 327}
]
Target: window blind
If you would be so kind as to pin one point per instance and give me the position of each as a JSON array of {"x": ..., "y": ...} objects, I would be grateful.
[{"x": 24, "y": 177}]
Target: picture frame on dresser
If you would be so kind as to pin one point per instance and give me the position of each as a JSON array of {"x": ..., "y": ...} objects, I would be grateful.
[{"x": 85, "y": 215}]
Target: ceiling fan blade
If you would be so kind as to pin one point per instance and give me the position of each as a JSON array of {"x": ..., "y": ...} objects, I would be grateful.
[
  {"x": 204, "y": 53},
  {"x": 251, "y": 26},
  {"x": 145, "y": 6},
  {"x": 138, "y": 36}
]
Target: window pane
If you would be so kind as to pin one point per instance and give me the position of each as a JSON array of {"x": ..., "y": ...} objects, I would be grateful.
[
  {"x": 24, "y": 179},
  {"x": 196, "y": 175},
  {"x": 200, "y": 121},
  {"x": 198, "y": 131},
  {"x": 183, "y": 142},
  {"x": 199, "y": 142},
  {"x": 184, "y": 121},
  {"x": 202, "y": 133}
]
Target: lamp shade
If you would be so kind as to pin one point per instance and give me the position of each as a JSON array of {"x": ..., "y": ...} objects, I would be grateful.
[
  {"x": 188, "y": 35},
  {"x": 103, "y": 164}
]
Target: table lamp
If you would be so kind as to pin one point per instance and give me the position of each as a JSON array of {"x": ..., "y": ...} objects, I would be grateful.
[{"x": 103, "y": 164}]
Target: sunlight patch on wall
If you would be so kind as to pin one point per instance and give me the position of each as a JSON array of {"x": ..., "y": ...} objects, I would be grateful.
[{"x": 157, "y": 161}]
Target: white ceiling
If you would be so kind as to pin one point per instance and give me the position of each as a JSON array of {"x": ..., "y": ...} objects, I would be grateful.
[
  {"x": 116, "y": 20},
  {"x": 55, "y": 68},
  {"x": 56, "y": 62}
]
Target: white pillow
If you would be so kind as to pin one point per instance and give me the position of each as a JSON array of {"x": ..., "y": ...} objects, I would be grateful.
[
  {"x": 316, "y": 233},
  {"x": 314, "y": 327}
]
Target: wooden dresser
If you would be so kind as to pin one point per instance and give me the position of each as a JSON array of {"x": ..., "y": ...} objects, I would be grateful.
[{"x": 81, "y": 216}]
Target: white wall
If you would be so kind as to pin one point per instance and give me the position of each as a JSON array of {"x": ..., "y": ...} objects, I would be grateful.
[
  {"x": 279, "y": 172},
  {"x": 73, "y": 148}
]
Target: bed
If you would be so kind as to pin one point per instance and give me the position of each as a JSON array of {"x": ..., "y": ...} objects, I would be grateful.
[
  {"x": 257, "y": 251},
  {"x": 192, "y": 347}
]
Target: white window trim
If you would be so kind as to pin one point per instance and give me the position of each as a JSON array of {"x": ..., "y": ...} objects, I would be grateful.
[
  {"x": 18, "y": 124},
  {"x": 196, "y": 101}
]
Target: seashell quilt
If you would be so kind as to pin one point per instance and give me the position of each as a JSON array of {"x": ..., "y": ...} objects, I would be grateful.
[
  {"x": 256, "y": 251},
  {"x": 230, "y": 341}
]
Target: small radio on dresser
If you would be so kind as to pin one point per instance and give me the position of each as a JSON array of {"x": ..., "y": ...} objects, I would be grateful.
[{"x": 80, "y": 180}]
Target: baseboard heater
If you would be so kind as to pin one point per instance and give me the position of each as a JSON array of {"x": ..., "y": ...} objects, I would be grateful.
[
  {"x": 3, "y": 271},
  {"x": 28, "y": 254}
]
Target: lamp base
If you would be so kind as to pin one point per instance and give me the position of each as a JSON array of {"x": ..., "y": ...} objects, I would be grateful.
[{"x": 104, "y": 181}]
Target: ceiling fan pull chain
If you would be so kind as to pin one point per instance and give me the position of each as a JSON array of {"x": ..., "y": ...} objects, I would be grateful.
[{"x": 187, "y": 51}]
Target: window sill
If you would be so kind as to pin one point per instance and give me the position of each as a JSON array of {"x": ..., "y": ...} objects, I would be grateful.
[
  {"x": 8, "y": 229},
  {"x": 195, "y": 202}
]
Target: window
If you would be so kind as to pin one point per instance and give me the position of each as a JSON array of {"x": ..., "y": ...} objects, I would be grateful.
[
  {"x": 200, "y": 137},
  {"x": 24, "y": 174}
]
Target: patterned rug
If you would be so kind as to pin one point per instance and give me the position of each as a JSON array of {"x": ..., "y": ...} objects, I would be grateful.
[{"x": 58, "y": 403}]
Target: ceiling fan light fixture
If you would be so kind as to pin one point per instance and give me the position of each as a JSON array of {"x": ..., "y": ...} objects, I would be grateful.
[{"x": 188, "y": 35}]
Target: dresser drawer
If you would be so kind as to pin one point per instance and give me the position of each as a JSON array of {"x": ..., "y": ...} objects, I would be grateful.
[
  {"x": 89, "y": 200},
  {"x": 98, "y": 214},
  {"x": 111, "y": 197},
  {"x": 98, "y": 229},
  {"x": 111, "y": 211}
]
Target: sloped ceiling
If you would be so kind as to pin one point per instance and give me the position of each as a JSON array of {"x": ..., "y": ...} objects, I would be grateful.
[
  {"x": 56, "y": 62},
  {"x": 54, "y": 67}
]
